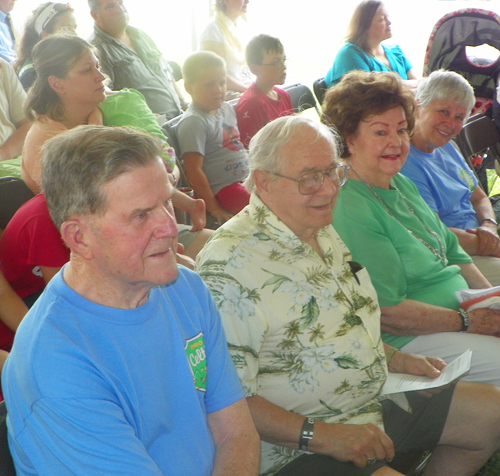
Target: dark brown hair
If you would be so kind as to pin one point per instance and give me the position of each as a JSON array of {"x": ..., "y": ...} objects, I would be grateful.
[{"x": 361, "y": 20}]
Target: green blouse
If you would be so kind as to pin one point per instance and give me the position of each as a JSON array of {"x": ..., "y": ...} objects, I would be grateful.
[{"x": 400, "y": 266}]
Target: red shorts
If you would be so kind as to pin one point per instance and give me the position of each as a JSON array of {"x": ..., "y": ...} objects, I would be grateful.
[{"x": 234, "y": 197}]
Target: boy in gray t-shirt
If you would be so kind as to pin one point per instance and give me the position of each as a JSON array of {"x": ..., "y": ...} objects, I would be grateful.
[{"x": 209, "y": 140}]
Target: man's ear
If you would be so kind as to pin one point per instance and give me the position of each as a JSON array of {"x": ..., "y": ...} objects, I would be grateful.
[
  {"x": 56, "y": 84},
  {"x": 76, "y": 234},
  {"x": 94, "y": 15},
  {"x": 188, "y": 88},
  {"x": 261, "y": 180}
]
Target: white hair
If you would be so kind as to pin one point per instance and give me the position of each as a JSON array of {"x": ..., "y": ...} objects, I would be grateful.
[
  {"x": 446, "y": 86},
  {"x": 265, "y": 146}
]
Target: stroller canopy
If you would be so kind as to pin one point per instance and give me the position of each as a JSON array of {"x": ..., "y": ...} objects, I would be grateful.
[{"x": 447, "y": 44}]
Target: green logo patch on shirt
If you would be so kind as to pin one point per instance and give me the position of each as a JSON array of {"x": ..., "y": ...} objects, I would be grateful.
[{"x": 195, "y": 352}]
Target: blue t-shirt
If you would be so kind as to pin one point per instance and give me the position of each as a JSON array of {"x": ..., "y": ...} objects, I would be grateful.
[
  {"x": 97, "y": 390},
  {"x": 352, "y": 58},
  {"x": 445, "y": 182}
]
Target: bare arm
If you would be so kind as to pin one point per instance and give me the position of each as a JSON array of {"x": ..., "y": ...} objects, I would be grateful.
[
  {"x": 343, "y": 442},
  {"x": 3, "y": 358},
  {"x": 14, "y": 144},
  {"x": 487, "y": 235},
  {"x": 473, "y": 276},
  {"x": 48, "y": 273},
  {"x": 195, "y": 208},
  {"x": 12, "y": 307},
  {"x": 193, "y": 163},
  {"x": 218, "y": 48},
  {"x": 468, "y": 241},
  {"x": 237, "y": 445},
  {"x": 413, "y": 318},
  {"x": 412, "y": 74}
]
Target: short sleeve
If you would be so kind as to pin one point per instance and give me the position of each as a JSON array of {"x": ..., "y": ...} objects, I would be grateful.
[
  {"x": 414, "y": 172},
  {"x": 401, "y": 59},
  {"x": 212, "y": 33},
  {"x": 363, "y": 234},
  {"x": 349, "y": 58},
  {"x": 192, "y": 135}
]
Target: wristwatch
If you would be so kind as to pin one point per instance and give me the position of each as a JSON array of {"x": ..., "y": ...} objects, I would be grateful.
[
  {"x": 490, "y": 220},
  {"x": 306, "y": 434},
  {"x": 464, "y": 315}
]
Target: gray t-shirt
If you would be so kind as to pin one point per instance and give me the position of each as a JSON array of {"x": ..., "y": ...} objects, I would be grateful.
[{"x": 217, "y": 139}]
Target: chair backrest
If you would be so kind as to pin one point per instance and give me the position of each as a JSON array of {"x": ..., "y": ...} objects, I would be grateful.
[
  {"x": 319, "y": 88},
  {"x": 170, "y": 130},
  {"x": 479, "y": 135},
  {"x": 6, "y": 464},
  {"x": 13, "y": 193},
  {"x": 302, "y": 97},
  {"x": 176, "y": 70}
]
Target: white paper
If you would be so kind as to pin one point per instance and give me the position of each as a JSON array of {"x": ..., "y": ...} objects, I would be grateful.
[
  {"x": 467, "y": 294},
  {"x": 397, "y": 383},
  {"x": 490, "y": 303}
]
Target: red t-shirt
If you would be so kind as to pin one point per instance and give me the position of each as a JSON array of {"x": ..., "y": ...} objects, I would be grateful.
[
  {"x": 254, "y": 110},
  {"x": 29, "y": 241}
]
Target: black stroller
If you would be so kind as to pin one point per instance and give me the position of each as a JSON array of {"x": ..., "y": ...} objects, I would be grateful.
[{"x": 446, "y": 49}]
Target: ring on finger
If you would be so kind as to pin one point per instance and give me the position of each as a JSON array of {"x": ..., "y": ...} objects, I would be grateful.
[{"x": 370, "y": 460}]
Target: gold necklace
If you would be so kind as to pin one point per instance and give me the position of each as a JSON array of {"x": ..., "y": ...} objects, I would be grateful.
[{"x": 441, "y": 253}]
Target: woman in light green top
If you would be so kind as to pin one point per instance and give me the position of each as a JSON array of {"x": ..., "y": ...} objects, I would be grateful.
[{"x": 414, "y": 261}]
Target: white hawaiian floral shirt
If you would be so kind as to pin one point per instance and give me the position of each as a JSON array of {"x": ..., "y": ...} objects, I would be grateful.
[{"x": 303, "y": 333}]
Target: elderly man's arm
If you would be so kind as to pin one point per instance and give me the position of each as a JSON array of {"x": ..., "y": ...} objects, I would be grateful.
[
  {"x": 343, "y": 442},
  {"x": 237, "y": 443},
  {"x": 14, "y": 144}
]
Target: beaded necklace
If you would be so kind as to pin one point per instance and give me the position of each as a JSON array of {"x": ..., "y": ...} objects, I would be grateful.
[{"x": 441, "y": 254}]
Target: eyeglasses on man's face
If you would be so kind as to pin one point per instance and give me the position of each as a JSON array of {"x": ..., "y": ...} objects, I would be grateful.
[{"x": 311, "y": 182}]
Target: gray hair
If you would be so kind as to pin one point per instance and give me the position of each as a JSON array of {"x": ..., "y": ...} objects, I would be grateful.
[
  {"x": 446, "y": 86},
  {"x": 77, "y": 163},
  {"x": 265, "y": 147}
]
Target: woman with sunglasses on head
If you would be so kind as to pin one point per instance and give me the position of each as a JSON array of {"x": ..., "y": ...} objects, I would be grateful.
[
  {"x": 47, "y": 19},
  {"x": 415, "y": 263},
  {"x": 364, "y": 51}
]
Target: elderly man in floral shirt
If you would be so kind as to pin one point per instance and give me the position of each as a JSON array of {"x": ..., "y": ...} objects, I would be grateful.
[{"x": 303, "y": 327}]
